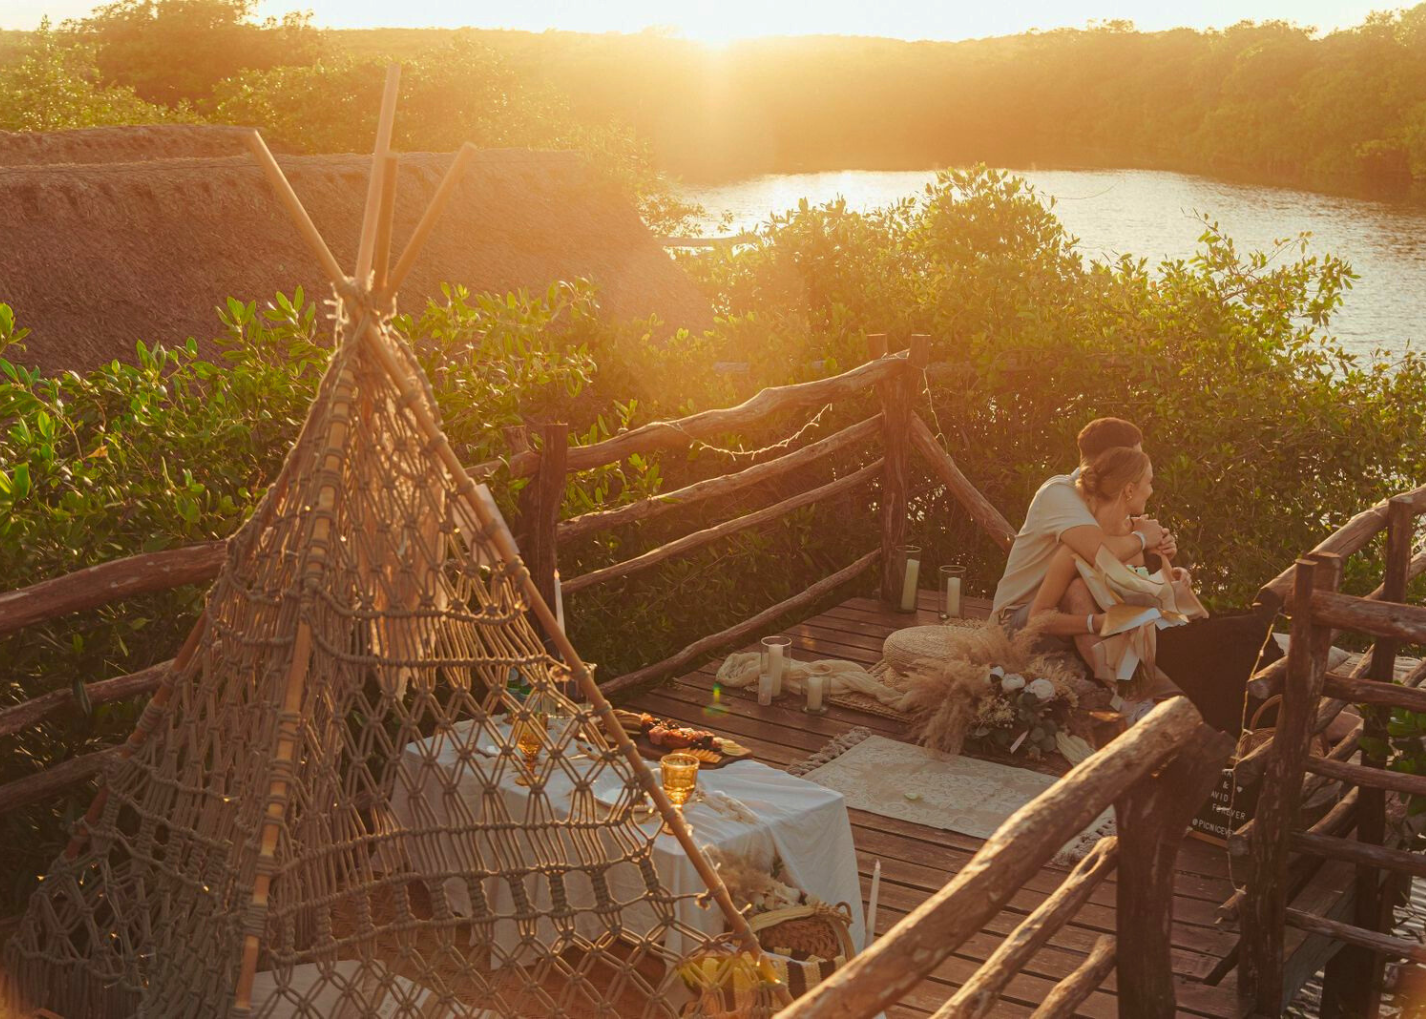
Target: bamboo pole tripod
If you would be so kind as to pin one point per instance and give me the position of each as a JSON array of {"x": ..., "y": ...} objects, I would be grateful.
[{"x": 374, "y": 287}]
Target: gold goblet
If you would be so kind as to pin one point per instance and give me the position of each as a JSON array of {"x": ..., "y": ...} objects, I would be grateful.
[
  {"x": 529, "y": 737},
  {"x": 680, "y": 778}
]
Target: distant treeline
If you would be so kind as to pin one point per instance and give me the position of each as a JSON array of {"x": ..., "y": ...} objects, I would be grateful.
[{"x": 1269, "y": 100}]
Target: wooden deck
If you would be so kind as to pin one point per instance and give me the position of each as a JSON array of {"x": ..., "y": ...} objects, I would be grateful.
[{"x": 917, "y": 860}]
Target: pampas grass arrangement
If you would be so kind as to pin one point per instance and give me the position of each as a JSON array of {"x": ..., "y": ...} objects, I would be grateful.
[{"x": 947, "y": 696}]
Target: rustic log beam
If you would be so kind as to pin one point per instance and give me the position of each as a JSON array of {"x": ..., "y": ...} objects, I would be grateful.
[
  {"x": 1367, "y": 777},
  {"x": 978, "y": 995},
  {"x": 719, "y": 487},
  {"x": 1065, "y": 998},
  {"x": 120, "y": 578},
  {"x": 1268, "y": 682},
  {"x": 1371, "y": 941},
  {"x": 897, "y": 396},
  {"x": 540, "y": 503},
  {"x": 1362, "y": 853},
  {"x": 698, "y": 539},
  {"x": 1239, "y": 841},
  {"x": 1261, "y": 954},
  {"x": 902, "y": 957},
  {"x": 1251, "y": 766},
  {"x": 1336, "y": 821},
  {"x": 1152, "y": 817},
  {"x": 1369, "y": 691},
  {"x": 45, "y": 784},
  {"x": 32, "y": 712},
  {"x": 1378, "y": 618},
  {"x": 678, "y": 434},
  {"x": 978, "y": 506},
  {"x": 1350, "y": 538},
  {"x": 735, "y": 635}
]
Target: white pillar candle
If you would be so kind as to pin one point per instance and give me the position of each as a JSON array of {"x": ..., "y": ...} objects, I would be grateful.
[
  {"x": 559, "y": 602},
  {"x": 908, "y": 586},
  {"x": 953, "y": 596},
  {"x": 774, "y": 668},
  {"x": 764, "y": 688},
  {"x": 816, "y": 683},
  {"x": 871, "y": 905}
]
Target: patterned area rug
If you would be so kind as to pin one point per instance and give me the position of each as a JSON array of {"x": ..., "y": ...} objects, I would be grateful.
[{"x": 910, "y": 783}]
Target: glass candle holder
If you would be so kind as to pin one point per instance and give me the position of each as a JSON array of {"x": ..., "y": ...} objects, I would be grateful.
[
  {"x": 906, "y": 574},
  {"x": 952, "y": 579},
  {"x": 776, "y": 655}
]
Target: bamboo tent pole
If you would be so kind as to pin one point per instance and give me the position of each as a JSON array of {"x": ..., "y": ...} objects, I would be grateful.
[
  {"x": 381, "y": 265},
  {"x": 371, "y": 216},
  {"x": 293, "y": 204},
  {"x": 428, "y": 220}
]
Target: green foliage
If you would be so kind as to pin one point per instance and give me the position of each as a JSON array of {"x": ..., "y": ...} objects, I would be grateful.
[
  {"x": 1263, "y": 430},
  {"x": 49, "y": 85},
  {"x": 175, "y": 51},
  {"x": 457, "y": 92}
]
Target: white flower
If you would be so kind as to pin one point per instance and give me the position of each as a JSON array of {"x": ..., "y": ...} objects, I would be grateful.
[
  {"x": 1043, "y": 689},
  {"x": 997, "y": 672},
  {"x": 1012, "y": 682}
]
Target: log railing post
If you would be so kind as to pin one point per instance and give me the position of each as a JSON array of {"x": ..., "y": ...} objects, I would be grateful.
[
  {"x": 540, "y": 508},
  {"x": 1265, "y": 902},
  {"x": 898, "y": 396},
  {"x": 1351, "y": 984},
  {"x": 1152, "y": 818}
]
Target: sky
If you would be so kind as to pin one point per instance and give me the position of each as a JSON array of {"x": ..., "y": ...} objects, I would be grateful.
[{"x": 723, "y": 21}]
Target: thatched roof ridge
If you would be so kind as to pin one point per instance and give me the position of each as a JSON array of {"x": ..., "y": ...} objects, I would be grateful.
[
  {"x": 121, "y": 144},
  {"x": 99, "y": 256}
]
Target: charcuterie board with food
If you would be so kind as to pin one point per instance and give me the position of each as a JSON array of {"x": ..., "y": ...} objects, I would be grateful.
[{"x": 656, "y": 736}]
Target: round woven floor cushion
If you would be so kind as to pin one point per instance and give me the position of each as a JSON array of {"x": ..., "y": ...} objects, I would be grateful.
[{"x": 905, "y": 647}]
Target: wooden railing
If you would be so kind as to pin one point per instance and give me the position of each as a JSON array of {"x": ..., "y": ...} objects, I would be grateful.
[
  {"x": 895, "y": 427},
  {"x": 1155, "y": 776},
  {"x": 1282, "y": 846}
]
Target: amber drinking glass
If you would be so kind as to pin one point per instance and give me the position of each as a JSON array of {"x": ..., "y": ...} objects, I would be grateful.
[
  {"x": 529, "y": 737},
  {"x": 680, "y": 778}
]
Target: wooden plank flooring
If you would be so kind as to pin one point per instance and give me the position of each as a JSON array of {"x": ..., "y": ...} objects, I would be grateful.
[{"x": 917, "y": 860}]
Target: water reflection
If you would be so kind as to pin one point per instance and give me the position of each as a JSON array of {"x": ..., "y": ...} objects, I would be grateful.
[{"x": 1150, "y": 214}]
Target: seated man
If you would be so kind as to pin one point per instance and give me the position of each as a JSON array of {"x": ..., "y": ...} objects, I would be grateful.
[{"x": 1060, "y": 512}]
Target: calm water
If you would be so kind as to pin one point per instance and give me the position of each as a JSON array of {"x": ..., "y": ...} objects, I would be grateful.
[{"x": 1150, "y": 214}]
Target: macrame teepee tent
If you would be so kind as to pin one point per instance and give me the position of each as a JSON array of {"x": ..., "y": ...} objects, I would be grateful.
[{"x": 244, "y": 857}]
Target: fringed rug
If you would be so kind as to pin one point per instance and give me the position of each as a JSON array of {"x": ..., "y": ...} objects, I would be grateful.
[{"x": 910, "y": 783}]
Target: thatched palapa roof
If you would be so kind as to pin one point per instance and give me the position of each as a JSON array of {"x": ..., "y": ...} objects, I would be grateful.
[
  {"x": 121, "y": 144},
  {"x": 98, "y": 256}
]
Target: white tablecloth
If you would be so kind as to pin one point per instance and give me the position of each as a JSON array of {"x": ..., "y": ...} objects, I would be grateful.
[{"x": 803, "y": 823}]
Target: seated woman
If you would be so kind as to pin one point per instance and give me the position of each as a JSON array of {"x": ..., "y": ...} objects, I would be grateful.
[{"x": 1117, "y": 485}]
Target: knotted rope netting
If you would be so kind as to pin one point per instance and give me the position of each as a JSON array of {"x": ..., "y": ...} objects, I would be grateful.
[{"x": 320, "y": 815}]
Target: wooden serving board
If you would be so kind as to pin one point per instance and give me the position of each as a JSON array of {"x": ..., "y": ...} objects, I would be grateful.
[{"x": 653, "y": 753}]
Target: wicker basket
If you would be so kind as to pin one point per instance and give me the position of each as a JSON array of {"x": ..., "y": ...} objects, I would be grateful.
[{"x": 806, "y": 944}]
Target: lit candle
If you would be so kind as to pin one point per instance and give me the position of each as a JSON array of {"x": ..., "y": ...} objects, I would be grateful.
[
  {"x": 816, "y": 683},
  {"x": 908, "y": 586},
  {"x": 559, "y": 602}
]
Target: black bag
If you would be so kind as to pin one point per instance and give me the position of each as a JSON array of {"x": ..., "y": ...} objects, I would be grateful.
[{"x": 1211, "y": 661}]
